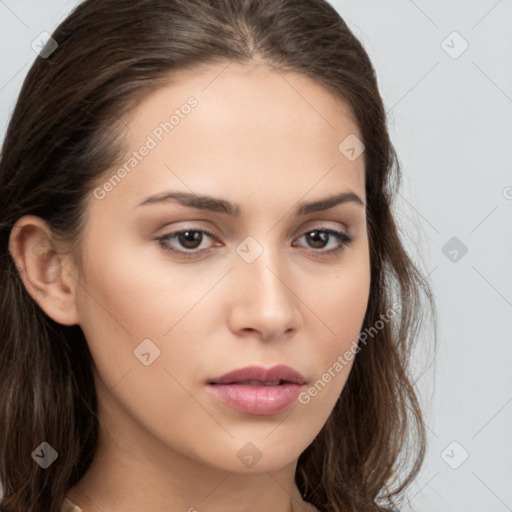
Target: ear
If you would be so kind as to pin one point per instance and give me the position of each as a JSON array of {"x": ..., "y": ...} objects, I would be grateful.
[{"x": 48, "y": 275}]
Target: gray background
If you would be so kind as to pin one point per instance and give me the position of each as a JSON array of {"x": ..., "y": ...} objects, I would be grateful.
[{"x": 450, "y": 117}]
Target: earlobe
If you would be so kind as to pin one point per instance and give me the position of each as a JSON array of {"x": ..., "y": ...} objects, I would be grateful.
[{"x": 46, "y": 273}]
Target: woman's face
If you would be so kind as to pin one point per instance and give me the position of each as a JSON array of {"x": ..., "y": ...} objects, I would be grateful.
[{"x": 256, "y": 281}]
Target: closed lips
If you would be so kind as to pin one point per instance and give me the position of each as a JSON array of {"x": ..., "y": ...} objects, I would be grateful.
[
  {"x": 258, "y": 383},
  {"x": 260, "y": 376},
  {"x": 258, "y": 390}
]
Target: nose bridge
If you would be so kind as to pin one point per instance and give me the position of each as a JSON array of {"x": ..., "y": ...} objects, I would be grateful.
[{"x": 266, "y": 300}]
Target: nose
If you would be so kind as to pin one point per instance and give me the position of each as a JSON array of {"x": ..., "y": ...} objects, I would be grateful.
[{"x": 264, "y": 302}]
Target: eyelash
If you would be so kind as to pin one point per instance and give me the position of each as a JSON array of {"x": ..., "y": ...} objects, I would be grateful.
[{"x": 342, "y": 237}]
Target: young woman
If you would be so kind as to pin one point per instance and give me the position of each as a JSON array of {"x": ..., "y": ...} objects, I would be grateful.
[{"x": 206, "y": 305}]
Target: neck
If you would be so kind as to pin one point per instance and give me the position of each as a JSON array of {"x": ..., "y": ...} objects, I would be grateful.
[{"x": 133, "y": 471}]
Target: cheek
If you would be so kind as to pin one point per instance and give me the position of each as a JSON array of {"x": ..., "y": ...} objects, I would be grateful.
[
  {"x": 126, "y": 310},
  {"x": 345, "y": 298},
  {"x": 131, "y": 290},
  {"x": 336, "y": 353},
  {"x": 342, "y": 306},
  {"x": 131, "y": 295}
]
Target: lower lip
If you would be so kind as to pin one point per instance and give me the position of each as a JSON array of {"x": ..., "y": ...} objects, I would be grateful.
[{"x": 261, "y": 400}]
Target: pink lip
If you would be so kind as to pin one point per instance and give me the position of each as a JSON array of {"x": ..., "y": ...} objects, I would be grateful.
[{"x": 258, "y": 399}]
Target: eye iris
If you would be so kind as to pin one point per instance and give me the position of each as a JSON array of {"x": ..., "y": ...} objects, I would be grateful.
[
  {"x": 318, "y": 236},
  {"x": 188, "y": 237}
]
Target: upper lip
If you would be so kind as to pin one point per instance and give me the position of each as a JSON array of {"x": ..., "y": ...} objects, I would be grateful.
[{"x": 261, "y": 374}]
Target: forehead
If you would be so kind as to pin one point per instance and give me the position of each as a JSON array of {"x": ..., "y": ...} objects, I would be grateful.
[{"x": 239, "y": 127}]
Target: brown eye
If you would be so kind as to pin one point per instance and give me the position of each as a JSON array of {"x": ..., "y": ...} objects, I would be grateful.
[
  {"x": 318, "y": 238},
  {"x": 188, "y": 239}
]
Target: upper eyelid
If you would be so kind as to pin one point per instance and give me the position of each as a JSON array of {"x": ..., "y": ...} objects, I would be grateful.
[
  {"x": 312, "y": 225},
  {"x": 213, "y": 232}
]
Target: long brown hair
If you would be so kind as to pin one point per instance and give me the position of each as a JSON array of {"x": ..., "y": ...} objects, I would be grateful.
[{"x": 65, "y": 132}]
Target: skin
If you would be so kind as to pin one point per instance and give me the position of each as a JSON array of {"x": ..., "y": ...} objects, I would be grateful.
[{"x": 265, "y": 140}]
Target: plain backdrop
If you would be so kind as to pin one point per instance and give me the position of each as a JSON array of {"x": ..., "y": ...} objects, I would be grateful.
[{"x": 445, "y": 73}]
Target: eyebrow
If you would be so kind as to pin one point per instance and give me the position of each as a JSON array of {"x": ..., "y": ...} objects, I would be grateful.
[{"x": 203, "y": 202}]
